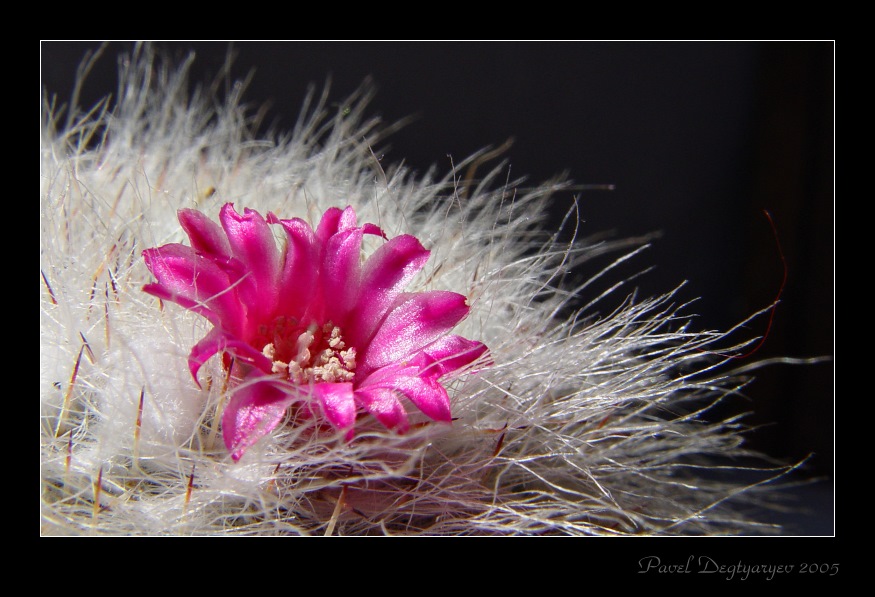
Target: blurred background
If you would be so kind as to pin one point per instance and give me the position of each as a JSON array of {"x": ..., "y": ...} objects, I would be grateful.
[{"x": 698, "y": 138}]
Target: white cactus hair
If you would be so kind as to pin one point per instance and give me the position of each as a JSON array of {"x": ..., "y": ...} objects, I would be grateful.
[{"x": 589, "y": 419}]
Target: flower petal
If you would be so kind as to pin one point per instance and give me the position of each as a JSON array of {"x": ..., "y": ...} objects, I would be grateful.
[
  {"x": 328, "y": 225},
  {"x": 383, "y": 403},
  {"x": 255, "y": 409},
  {"x": 424, "y": 391},
  {"x": 334, "y": 220},
  {"x": 449, "y": 354},
  {"x": 298, "y": 279},
  {"x": 252, "y": 242},
  {"x": 339, "y": 241},
  {"x": 159, "y": 291},
  {"x": 374, "y": 229},
  {"x": 338, "y": 403},
  {"x": 428, "y": 395},
  {"x": 385, "y": 275},
  {"x": 194, "y": 280},
  {"x": 347, "y": 219},
  {"x": 206, "y": 236},
  {"x": 414, "y": 322},
  {"x": 341, "y": 272},
  {"x": 217, "y": 341}
]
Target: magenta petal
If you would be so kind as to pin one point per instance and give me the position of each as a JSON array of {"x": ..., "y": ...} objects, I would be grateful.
[
  {"x": 298, "y": 279},
  {"x": 204, "y": 351},
  {"x": 338, "y": 403},
  {"x": 374, "y": 229},
  {"x": 252, "y": 242},
  {"x": 341, "y": 274},
  {"x": 217, "y": 341},
  {"x": 428, "y": 395},
  {"x": 347, "y": 219},
  {"x": 423, "y": 390},
  {"x": 254, "y": 410},
  {"x": 385, "y": 275},
  {"x": 159, "y": 291},
  {"x": 328, "y": 225},
  {"x": 414, "y": 322},
  {"x": 334, "y": 220},
  {"x": 192, "y": 279},
  {"x": 449, "y": 354},
  {"x": 206, "y": 236},
  {"x": 383, "y": 403}
]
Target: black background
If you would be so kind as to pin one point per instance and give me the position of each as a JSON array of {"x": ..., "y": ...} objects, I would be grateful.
[{"x": 697, "y": 137}]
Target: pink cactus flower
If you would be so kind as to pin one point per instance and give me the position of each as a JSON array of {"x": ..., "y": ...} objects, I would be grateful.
[{"x": 311, "y": 323}]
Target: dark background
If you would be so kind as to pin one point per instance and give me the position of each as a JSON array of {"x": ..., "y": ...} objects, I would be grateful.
[{"x": 697, "y": 137}]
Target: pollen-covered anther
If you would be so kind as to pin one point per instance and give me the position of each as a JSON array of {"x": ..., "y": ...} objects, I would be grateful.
[
  {"x": 348, "y": 357},
  {"x": 316, "y": 354}
]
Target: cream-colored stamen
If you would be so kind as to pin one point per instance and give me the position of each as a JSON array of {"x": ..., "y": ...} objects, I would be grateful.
[{"x": 320, "y": 354}]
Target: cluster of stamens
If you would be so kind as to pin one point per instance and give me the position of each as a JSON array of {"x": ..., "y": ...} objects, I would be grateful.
[{"x": 308, "y": 354}]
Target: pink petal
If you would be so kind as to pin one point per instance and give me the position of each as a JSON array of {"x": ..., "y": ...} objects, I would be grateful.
[
  {"x": 253, "y": 244},
  {"x": 255, "y": 409},
  {"x": 386, "y": 273},
  {"x": 328, "y": 225},
  {"x": 424, "y": 391},
  {"x": 341, "y": 274},
  {"x": 428, "y": 395},
  {"x": 194, "y": 280},
  {"x": 383, "y": 403},
  {"x": 298, "y": 279},
  {"x": 347, "y": 219},
  {"x": 414, "y": 322},
  {"x": 340, "y": 241},
  {"x": 217, "y": 341},
  {"x": 206, "y": 236},
  {"x": 338, "y": 403},
  {"x": 334, "y": 220},
  {"x": 374, "y": 229},
  {"x": 159, "y": 291},
  {"x": 449, "y": 354}
]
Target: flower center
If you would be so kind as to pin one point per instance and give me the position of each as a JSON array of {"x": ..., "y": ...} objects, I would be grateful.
[{"x": 308, "y": 354}]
